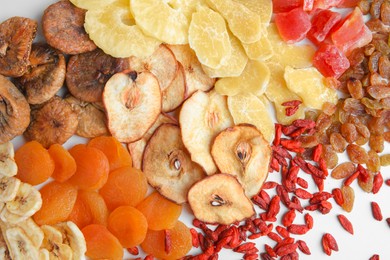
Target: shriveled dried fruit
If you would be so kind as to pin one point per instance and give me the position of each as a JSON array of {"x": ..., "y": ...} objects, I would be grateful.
[
  {"x": 87, "y": 74},
  {"x": 385, "y": 160},
  {"x": 349, "y": 198},
  {"x": 343, "y": 170},
  {"x": 14, "y": 111},
  {"x": 53, "y": 122},
  {"x": 16, "y": 34},
  {"x": 376, "y": 142},
  {"x": 357, "y": 154},
  {"x": 338, "y": 142},
  {"x": 330, "y": 156},
  {"x": 63, "y": 28},
  {"x": 367, "y": 182},
  {"x": 349, "y": 132},
  {"x": 373, "y": 162}
]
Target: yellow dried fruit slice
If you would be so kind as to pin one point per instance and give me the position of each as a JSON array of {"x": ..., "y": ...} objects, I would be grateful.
[
  {"x": 260, "y": 7},
  {"x": 113, "y": 29},
  {"x": 159, "y": 19},
  {"x": 249, "y": 109},
  {"x": 260, "y": 50},
  {"x": 254, "y": 79},
  {"x": 92, "y": 4},
  {"x": 310, "y": 85},
  {"x": 244, "y": 23},
  {"x": 209, "y": 38},
  {"x": 234, "y": 66}
]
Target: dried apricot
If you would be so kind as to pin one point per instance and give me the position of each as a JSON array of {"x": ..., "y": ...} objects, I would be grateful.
[
  {"x": 160, "y": 212},
  {"x": 125, "y": 186},
  {"x": 92, "y": 167},
  {"x": 101, "y": 244},
  {"x": 35, "y": 165},
  {"x": 96, "y": 206},
  {"x": 65, "y": 165},
  {"x": 58, "y": 200},
  {"x": 179, "y": 238},
  {"x": 129, "y": 225},
  {"x": 80, "y": 215},
  {"x": 117, "y": 154}
]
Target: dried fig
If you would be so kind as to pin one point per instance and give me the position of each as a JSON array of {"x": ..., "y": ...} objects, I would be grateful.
[
  {"x": 14, "y": 111},
  {"x": 45, "y": 75},
  {"x": 16, "y": 36}
]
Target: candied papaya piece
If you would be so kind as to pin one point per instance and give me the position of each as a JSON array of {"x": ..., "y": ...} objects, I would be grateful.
[
  {"x": 178, "y": 237},
  {"x": 64, "y": 163},
  {"x": 160, "y": 212},
  {"x": 330, "y": 61},
  {"x": 92, "y": 167},
  {"x": 117, "y": 155},
  {"x": 58, "y": 200},
  {"x": 293, "y": 25},
  {"x": 101, "y": 244},
  {"x": 34, "y": 162},
  {"x": 129, "y": 225},
  {"x": 125, "y": 186}
]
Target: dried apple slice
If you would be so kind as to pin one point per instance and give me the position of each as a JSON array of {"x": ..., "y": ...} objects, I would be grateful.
[
  {"x": 249, "y": 109},
  {"x": 175, "y": 94},
  {"x": 132, "y": 102},
  {"x": 243, "y": 152},
  {"x": 196, "y": 78},
  {"x": 219, "y": 199},
  {"x": 167, "y": 164},
  {"x": 136, "y": 148},
  {"x": 254, "y": 79},
  {"x": 201, "y": 118}
]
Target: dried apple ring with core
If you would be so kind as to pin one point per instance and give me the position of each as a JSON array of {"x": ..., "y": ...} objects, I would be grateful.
[
  {"x": 220, "y": 199},
  {"x": 133, "y": 103},
  {"x": 243, "y": 152},
  {"x": 168, "y": 166}
]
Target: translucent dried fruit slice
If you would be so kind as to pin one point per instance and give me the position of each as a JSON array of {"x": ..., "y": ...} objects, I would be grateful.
[
  {"x": 260, "y": 50},
  {"x": 254, "y": 79},
  {"x": 126, "y": 38},
  {"x": 249, "y": 109},
  {"x": 219, "y": 198},
  {"x": 243, "y": 152},
  {"x": 209, "y": 38},
  {"x": 158, "y": 19},
  {"x": 243, "y": 22},
  {"x": 260, "y": 7},
  {"x": 232, "y": 67},
  {"x": 310, "y": 86},
  {"x": 91, "y": 4},
  {"x": 202, "y": 117},
  {"x": 179, "y": 239}
]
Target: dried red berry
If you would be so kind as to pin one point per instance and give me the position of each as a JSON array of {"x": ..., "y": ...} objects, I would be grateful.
[
  {"x": 288, "y": 218},
  {"x": 303, "y": 247},
  {"x": 376, "y": 211},
  {"x": 345, "y": 223},
  {"x": 377, "y": 184}
]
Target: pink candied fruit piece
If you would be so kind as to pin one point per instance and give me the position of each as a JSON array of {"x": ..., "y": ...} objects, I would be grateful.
[
  {"x": 330, "y": 61},
  {"x": 281, "y": 6},
  {"x": 321, "y": 24},
  {"x": 348, "y": 3},
  {"x": 326, "y": 4},
  {"x": 308, "y": 5},
  {"x": 293, "y": 25}
]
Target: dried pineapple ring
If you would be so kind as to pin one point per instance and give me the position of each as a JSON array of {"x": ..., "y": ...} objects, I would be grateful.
[
  {"x": 92, "y": 4},
  {"x": 126, "y": 39}
]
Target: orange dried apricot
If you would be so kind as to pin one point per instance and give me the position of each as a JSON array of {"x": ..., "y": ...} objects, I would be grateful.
[
  {"x": 35, "y": 164},
  {"x": 58, "y": 200},
  {"x": 160, "y": 212},
  {"x": 101, "y": 244},
  {"x": 129, "y": 225},
  {"x": 80, "y": 215},
  {"x": 65, "y": 165},
  {"x": 125, "y": 186},
  {"x": 92, "y": 167},
  {"x": 116, "y": 153},
  {"x": 96, "y": 206},
  {"x": 179, "y": 239}
]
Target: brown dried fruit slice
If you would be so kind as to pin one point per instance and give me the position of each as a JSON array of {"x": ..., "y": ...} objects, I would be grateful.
[
  {"x": 136, "y": 148},
  {"x": 53, "y": 122},
  {"x": 14, "y": 111},
  {"x": 243, "y": 152},
  {"x": 174, "y": 95},
  {"x": 219, "y": 198},
  {"x": 168, "y": 166},
  {"x": 92, "y": 121},
  {"x": 45, "y": 76},
  {"x": 87, "y": 74},
  {"x": 16, "y": 36},
  {"x": 195, "y": 77},
  {"x": 63, "y": 28},
  {"x": 133, "y": 103},
  {"x": 202, "y": 117}
]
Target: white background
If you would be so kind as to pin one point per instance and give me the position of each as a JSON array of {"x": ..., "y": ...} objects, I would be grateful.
[{"x": 371, "y": 237}]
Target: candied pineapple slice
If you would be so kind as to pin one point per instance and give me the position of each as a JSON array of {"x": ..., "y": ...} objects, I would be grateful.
[
  {"x": 159, "y": 19},
  {"x": 260, "y": 7},
  {"x": 93, "y": 4},
  {"x": 249, "y": 109},
  {"x": 245, "y": 24},
  {"x": 209, "y": 38},
  {"x": 260, "y": 50},
  {"x": 310, "y": 85},
  {"x": 254, "y": 79},
  {"x": 234, "y": 66},
  {"x": 125, "y": 37}
]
